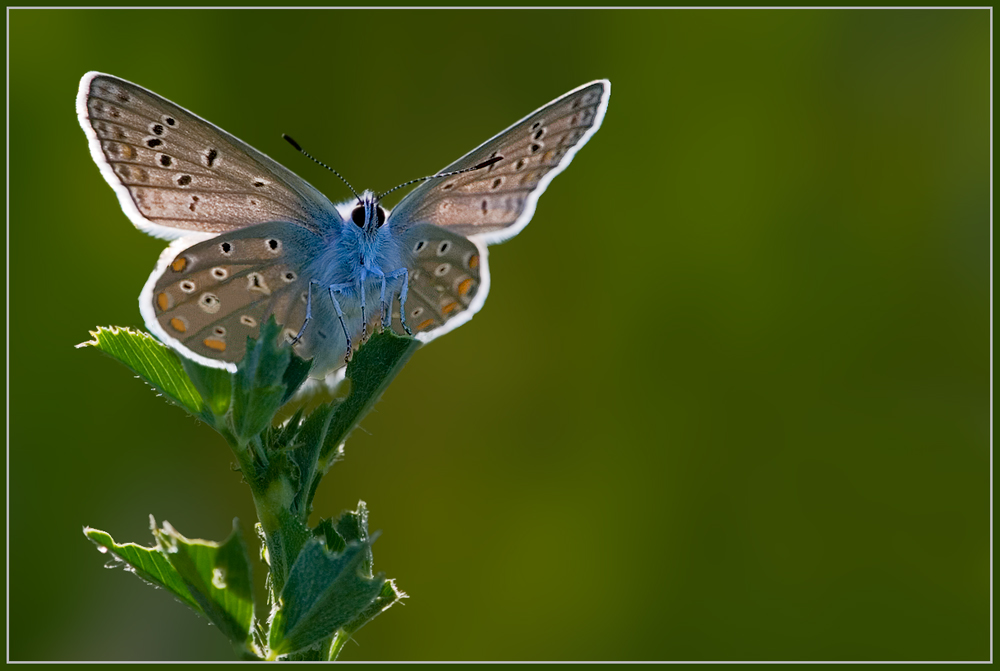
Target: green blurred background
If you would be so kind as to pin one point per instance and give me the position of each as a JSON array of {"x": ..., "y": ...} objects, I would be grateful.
[{"x": 729, "y": 396}]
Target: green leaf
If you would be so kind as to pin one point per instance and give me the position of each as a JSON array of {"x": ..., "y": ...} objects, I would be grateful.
[
  {"x": 317, "y": 442},
  {"x": 347, "y": 536},
  {"x": 309, "y": 442},
  {"x": 324, "y": 592},
  {"x": 352, "y": 526},
  {"x": 215, "y": 386},
  {"x": 324, "y": 531},
  {"x": 153, "y": 361},
  {"x": 148, "y": 563},
  {"x": 283, "y": 436},
  {"x": 389, "y": 595},
  {"x": 259, "y": 385},
  {"x": 295, "y": 375},
  {"x": 370, "y": 371},
  {"x": 373, "y": 367},
  {"x": 217, "y": 577}
]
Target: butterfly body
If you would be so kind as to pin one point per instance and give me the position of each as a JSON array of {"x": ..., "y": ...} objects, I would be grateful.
[
  {"x": 358, "y": 254},
  {"x": 253, "y": 240}
]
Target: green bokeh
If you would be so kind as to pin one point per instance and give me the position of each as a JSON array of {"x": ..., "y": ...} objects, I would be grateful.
[{"x": 729, "y": 396}]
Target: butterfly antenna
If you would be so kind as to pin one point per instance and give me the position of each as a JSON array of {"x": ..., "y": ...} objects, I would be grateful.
[
  {"x": 484, "y": 164},
  {"x": 308, "y": 155}
]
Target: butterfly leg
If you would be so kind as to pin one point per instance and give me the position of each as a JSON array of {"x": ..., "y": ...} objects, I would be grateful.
[
  {"x": 385, "y": 308},
  {"x": 362, "y": 292},
  {"x": 335, "y": 289},
  {"x": 309, "y": 303},
  {"x": 404, "y": 273}
]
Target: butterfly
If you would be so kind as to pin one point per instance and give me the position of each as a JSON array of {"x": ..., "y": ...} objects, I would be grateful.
[{"x": 251, "y": 239}]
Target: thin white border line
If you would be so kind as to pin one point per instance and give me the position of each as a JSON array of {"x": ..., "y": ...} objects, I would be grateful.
[
  {"x": 547, "y": 662},
  {"x": 495, "y": 7},
  {"x": 7, "y": 335},
  {"x": 7, "y": 344},
  {"x": 991, "y": 334}
]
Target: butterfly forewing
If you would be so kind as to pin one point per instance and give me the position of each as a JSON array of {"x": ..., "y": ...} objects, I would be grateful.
[
  {"x": 497, "y": 201},
  {"x": 177, "y": 173}
]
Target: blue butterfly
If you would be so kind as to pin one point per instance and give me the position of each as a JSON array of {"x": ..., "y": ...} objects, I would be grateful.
[{"x": 252, "y": 239}]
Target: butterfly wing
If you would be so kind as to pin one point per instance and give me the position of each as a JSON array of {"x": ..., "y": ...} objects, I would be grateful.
[
  {"x": 448, "y": 280},
  {"x": 495, "y": 203},
  {"x": 176, "y": 173},
  {"x": 205, "y": 299},
  {"x": 446, "y": 224}
]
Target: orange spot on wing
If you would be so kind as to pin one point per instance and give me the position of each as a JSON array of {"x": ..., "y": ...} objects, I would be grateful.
[
  {"x": 424, "y": 324},
  {"x": 178, "y": 325},
  {"x": 179, "y": 264},
  {"x": 474, "y": 261},
  {"x": 463, "y": 288},
  {"x": 219, "y": 345},
  {"x": 163, "y": 301},
  {"x": 449, "y": 307}
]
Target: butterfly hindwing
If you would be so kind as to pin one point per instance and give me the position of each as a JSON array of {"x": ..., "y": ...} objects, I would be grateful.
[
  {"x": 446, "y": 278},
  {"x": 176, "y": 173},
  {"x": 496, "y": 202},
  {"x": 207, "y": 298}
]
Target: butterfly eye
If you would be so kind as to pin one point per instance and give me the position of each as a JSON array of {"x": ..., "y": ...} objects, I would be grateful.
[
  {"x": 358, "y": 216},
  {"x": 379, "y": 216}
]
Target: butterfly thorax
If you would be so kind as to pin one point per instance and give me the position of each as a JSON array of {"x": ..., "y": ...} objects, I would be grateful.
[{"x": 361, "y": 247}]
